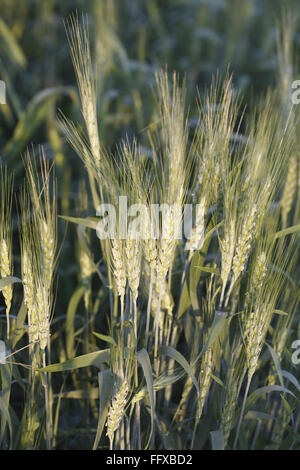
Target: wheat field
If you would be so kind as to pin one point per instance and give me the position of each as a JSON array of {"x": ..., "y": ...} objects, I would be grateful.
[{"x": 149, "y": 231}]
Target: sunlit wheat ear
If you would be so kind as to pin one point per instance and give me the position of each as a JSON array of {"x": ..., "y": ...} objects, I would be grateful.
[
  {"x": 227, "y": 251},
  {"x": 86, "y": 270},
  {"x": 243, "y": 246},
  {"x": 205, "y": 378},
  {"x": 42, "y": 192},
  {"x": 28, "y": 266},
  {"x": 6, "y": 261},
  {"x": 174, "y": 135},
  {"x": 133, "y": 264},
  {"x": 42, "y": 308},
  {"x": 81, "y": 57},
  {"x": 6, "y": 270},
  {"x": 290, "y": 189},
  {"x": 29, "y": 294},
  {"x": 119, "y": 265},
  {"x": 257, "y": 278},
  {"x": 48, "y": 250},
  {"x": 165, "y": 257},
  {"x": 197, "y": 233},
  {"x": 117, "y": 411},
  {"x": 166, "y": 301},
  {"x": 166, "y": 248},
  {"x": 255, "y": 329},
  {"x": 151, "y": 254}
]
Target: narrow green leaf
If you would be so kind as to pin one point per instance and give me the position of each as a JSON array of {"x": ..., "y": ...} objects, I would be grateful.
[
  {"x": 89, "y": 394},
  {"x": 216, "y": 329},
  {"x": 178, "y": 357},
  {"x": 88, "y": 222},
  {"x": 143, "y": 358},
  {"x": 276, "y": 363},
  {"x": 207, "y": 269},
  {"x": 291, "y": 378},
  {"x": 253, "y": 414},
  {"x": 280, "y": 312},
  {"x": 217, "y": 439},
  {"x": 287, "y": 231},
  {"x": 6, "y": 381},
  {"x": 4, "y": 410},
  {"x": 105, "y": 393},
  {"x": 91, "y": 359},
  {"x": 11, "y": 45},
  {"x": 6, "y": 281},
  {"x": 20, "y": 328},
  {"x": 263, "y": 390},
  {"x": 34, "y": 114},
  {"x": 286, "y": 405},
  {"x": 218, "y": 380},
  {"x": 70, "y": 317},
  {"x": 106, "y": 338}
]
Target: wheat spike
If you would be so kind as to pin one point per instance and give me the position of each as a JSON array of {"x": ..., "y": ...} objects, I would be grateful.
[
  {"x": 119, "y": 270},
  {"x": 6, "y": 270},
  {"x": 133, "y": 264},
  {"x": 244, "y": 245},
  {"x": 290, "y": 189},
  {"x": 117, "y": 410}
]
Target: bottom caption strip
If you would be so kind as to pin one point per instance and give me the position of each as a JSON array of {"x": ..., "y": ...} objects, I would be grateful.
[{"x": 138, "y": 459}]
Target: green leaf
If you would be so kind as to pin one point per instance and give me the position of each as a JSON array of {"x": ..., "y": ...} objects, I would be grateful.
[
  {"x": 20, "y": 329},
  {"x": 12, "y": 46},
  {"x": 106, "y": 338},
  {"x": 207, "y": 269},
  {"x": 91, "y": 359},
  {"x": 253, "y": 414},
  {"x": 70, "y": 317},
  {"x": 276, "y": 363},
  {"x": 88, "y": 222},
  {"x": 143, "y": 358},
  {"x": 34, "y": 114},
  {"x": 2, "y": 352},
  {"x": 164, "y": 381},
  {"x": 4, "y": 410},
  {"x": 189, "y": 294},
  {"x": 280, "y": 312},
  {"x": 115, "y": 45},
  {"x": 216, "y": 329},
  {"x": 218, "y": 380},
  {"x": 178, "y": 357},
  {"x": 195, "y": 274},
  {"x": 89, "y": 394},
  {"x": 263, "y": 390},
  {"x": 6, "y": 281},
  {"x": 160, "y": 383},
  {"x": 105, "y": 393},
  {"x": 209, "y": 234},
  {"x": 184, "y": 301},
  {"x": 291, "y": 378},
  {"x": 286, "y": 405},
  {"x": 6, "y": 375},
  {"x": 287, "y": 231},
  {"x": 217, "y": 439}
]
